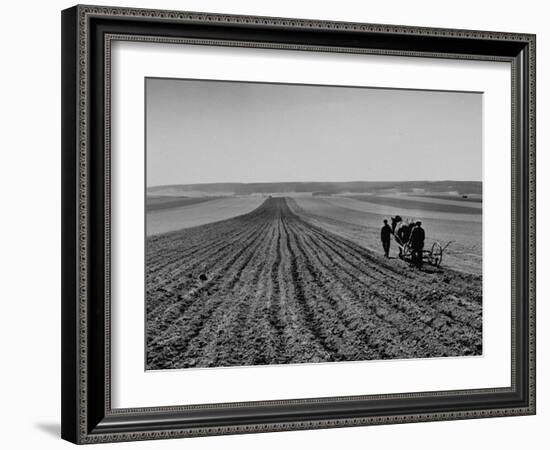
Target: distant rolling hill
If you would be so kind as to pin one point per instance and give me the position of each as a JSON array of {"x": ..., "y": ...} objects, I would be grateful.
[{"x": 327, "y": 188}]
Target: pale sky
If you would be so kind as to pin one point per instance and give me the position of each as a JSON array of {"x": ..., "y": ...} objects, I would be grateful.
[{"x": 211, "y": 131}]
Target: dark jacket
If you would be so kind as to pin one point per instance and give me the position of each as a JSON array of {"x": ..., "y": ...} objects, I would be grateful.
[
  {"x": 385, "y": 232},
  {"x": 417, "y": 237}
]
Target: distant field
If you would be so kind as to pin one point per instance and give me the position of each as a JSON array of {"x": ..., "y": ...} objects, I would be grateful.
[
  {"x": 164, "y": 202},
  {"x": 407, "y": 213},
  {"x": 458, "y": 198},
  {"x": 202, "y": 211},
  {"x": 442, "y": 200},
  {"x": 404, "y": 202}
]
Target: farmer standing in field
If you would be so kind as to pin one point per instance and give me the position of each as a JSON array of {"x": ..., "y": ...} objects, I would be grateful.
[
  {"x": 385, "y": 234},
  {"x": 417, "y": 243}
]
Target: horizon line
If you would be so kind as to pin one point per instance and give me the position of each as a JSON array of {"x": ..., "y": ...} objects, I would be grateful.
[{"x": 306, "y": 182}]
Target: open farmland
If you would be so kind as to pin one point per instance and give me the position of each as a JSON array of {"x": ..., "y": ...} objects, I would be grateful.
[
  {"x": 475, "y": 198},
  {"x": 165, "y": 202},
  {"x": 274, "y": 286},
  {"x": 419, "y": 204},
  {"x": 170, "y": 214}
]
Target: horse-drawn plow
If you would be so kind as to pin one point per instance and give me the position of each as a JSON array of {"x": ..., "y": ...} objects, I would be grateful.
[
  {"x": 433, "y": 256},
  {"x": 402, "y": 232}
]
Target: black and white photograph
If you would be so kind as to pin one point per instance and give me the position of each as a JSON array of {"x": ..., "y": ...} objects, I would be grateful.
[{"x": 290, "y": 223}]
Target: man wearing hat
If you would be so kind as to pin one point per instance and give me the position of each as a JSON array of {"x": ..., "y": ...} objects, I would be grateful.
[{"x": 385, "y": 235}]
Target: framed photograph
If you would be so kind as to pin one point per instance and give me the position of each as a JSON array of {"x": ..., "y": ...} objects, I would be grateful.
[{"x": 268, "y": 221}]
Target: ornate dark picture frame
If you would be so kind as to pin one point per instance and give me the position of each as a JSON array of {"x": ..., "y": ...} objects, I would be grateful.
[{"x": 87, "y": 34}]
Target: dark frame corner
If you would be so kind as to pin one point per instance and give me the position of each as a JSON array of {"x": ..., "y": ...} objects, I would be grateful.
[{"x": 87, "y": 31}]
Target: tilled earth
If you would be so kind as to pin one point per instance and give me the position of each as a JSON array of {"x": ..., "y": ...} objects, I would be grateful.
[{"x": 269, "y": 287}]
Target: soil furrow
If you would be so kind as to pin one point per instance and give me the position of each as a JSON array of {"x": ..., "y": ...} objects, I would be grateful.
[{"x": 271, "y": 287}]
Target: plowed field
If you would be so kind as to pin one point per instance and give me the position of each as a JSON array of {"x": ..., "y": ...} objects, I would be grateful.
[{"x": 269, "y": 287}]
